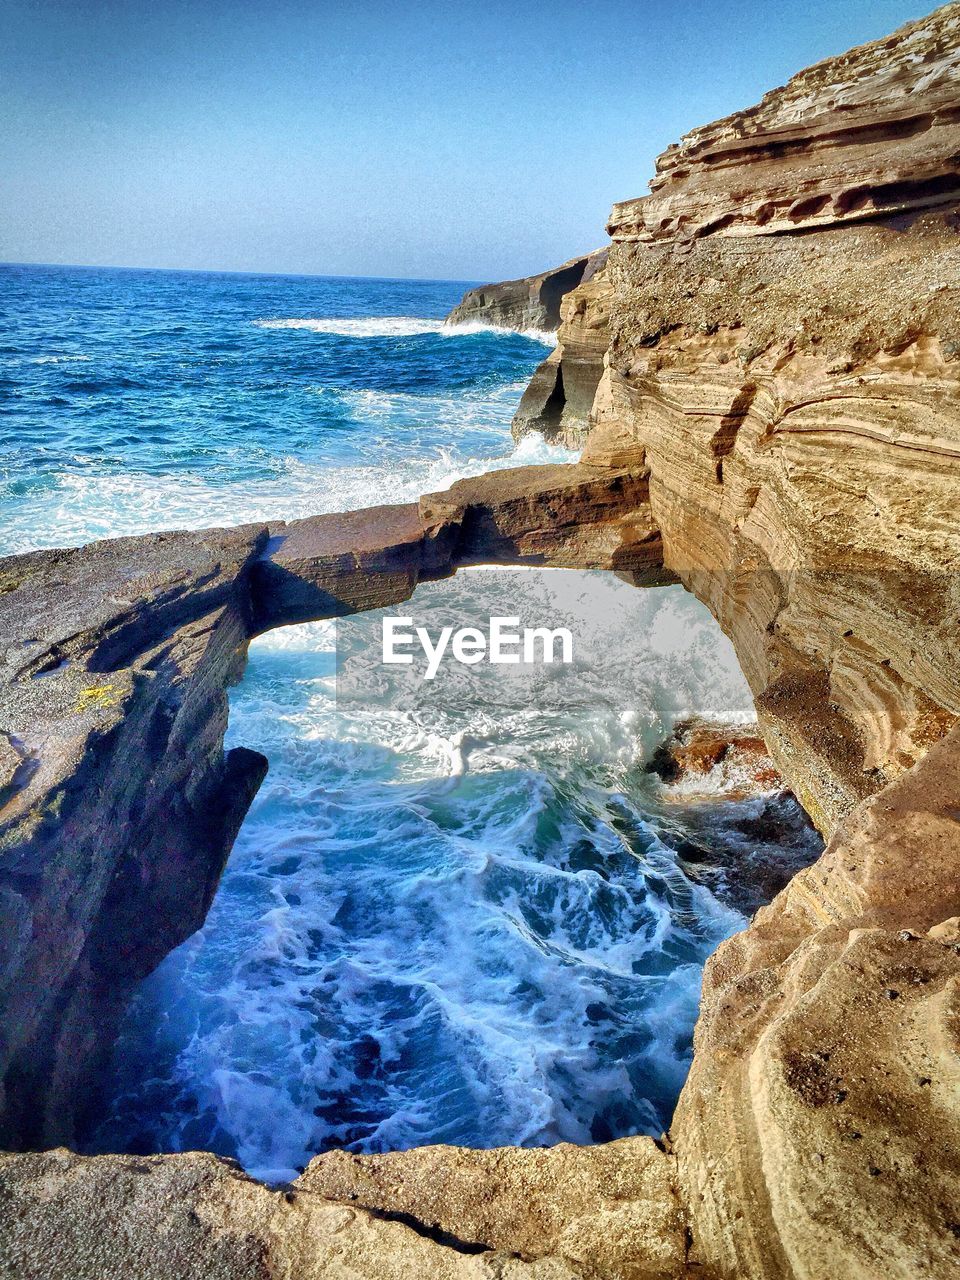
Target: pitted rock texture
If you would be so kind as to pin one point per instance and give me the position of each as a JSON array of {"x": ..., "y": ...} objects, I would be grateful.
[
  {"x": 874, "y": 131},
  {"x": 610, "y": 1210},
  {"x": 530, "y": 303},
  {"x": 118, "y": 1217},
  {"x": 776, "y": 422},
  {"x": 818, "y": 1133}
]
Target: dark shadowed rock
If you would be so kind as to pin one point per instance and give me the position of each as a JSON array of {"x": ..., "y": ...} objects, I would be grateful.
[
  {"x": 530, "y": 303},
  {"x": 116, "y": 823},
  {"x": 560, "y": 398}
]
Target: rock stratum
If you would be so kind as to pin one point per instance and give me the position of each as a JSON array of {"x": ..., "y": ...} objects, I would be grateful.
[
  {"x": 766, "y": 382},
  {"x": 532, "y": 302}
]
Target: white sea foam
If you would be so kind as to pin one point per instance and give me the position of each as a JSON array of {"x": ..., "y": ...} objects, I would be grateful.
[
  {"x": 547, "y": 336},
  {"x": 446, "y": 879},
  {"x": 68, "y": 359},
  {"x": 398, "y": 327},
  {"x": 84, "y": 506}
]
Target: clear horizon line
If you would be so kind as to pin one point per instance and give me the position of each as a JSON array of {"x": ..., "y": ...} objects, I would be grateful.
[{"x": 217, "y": 271}]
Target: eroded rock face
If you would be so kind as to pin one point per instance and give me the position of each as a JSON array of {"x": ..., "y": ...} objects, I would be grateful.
[
  {"x": 876, "y": 130},
  {"x": 775, "y": 421},
  {"x": 818, "y": 1133},
  {"x": 796, "y": 399},
  {"x": 531, "y": 303},
  {"x": 559, "y": 400},
  {"x": 119, "y": 806}
]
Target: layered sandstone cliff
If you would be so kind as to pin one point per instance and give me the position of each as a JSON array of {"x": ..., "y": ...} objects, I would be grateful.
[
  {"x": 783, "y": 324},
  {"x": 794, "y": 395},
  {"x": 530, "y": 303},
  {"x": 766, "y": 377}
]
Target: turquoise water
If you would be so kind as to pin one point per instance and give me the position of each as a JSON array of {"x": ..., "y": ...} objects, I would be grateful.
[
  {"x": 133, "y": 400},
  {"x": 458, "y": 911}
]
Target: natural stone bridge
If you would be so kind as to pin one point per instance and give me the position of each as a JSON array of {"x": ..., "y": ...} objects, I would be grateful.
[
  {"x": 766, "y": 377},
  {"x": 119, "y": 806}
]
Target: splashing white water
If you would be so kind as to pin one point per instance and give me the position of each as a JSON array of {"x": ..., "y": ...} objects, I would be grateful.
[
  {"x": 87, "y": 505},
  {"x": 446, "y": 917},
  {"x": 401, "y": 327}
]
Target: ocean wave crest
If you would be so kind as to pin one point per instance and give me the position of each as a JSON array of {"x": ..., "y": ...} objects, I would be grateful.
[{"x": 399, "y": 327}]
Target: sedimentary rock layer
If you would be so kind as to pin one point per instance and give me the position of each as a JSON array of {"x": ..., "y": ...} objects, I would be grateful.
[
  {"x": 818, "y": 1133},
  {"x": 767, "y": 377},
  {"x": 795, "y": 398},
  {"x": 876, "y": 131},
  {"x": 784, "y": 329},
  {"x": 530, "y": 303},
  {"x": 559, "y": 400}
]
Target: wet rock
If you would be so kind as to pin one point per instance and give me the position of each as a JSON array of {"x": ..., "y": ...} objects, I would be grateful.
[{"x": 737, "y": 757}]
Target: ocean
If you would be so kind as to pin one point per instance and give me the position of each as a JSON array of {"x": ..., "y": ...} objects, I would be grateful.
[{"x": 459, "y": 911}]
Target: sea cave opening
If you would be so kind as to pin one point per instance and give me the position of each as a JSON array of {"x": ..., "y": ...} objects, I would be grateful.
[{"x": 472, "y": 910}]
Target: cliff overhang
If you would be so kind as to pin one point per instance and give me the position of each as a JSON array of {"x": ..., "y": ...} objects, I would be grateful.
[{"x": 764, "y": 376}]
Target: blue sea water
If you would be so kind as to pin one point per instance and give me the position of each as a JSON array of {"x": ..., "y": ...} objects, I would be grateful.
[
  {"x": 133, "y": 400},
  {"x": 457, "y": 911}
]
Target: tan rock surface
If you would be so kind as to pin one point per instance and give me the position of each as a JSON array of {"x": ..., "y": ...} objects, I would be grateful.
[
  {"x": 609, "y": 1210},
  {"x": 875, "y": 130},
  {"x": 152, "y": 1218},
  {"x": 777, "y": 421},
  {"x": 819, "y": 1131}
]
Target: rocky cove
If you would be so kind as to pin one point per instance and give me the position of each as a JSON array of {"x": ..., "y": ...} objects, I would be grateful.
[{"x": 763, "y": 376}]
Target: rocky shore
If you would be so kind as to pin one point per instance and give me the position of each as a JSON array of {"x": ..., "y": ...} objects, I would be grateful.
[
  {"x": 530, "y": 303},
  {"x": 765, "y": 377}
]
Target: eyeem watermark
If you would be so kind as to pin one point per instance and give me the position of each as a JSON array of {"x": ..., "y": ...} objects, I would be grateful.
[{"x": 502, "y": 642}]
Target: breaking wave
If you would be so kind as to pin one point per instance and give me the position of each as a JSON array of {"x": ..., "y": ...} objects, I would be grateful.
[{"x": 402, "y": 327}]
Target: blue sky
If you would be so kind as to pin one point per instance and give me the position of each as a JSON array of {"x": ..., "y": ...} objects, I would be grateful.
[{"x": 453, "y": 139}]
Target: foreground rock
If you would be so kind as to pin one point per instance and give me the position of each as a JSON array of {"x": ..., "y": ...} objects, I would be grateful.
[
  {"x": 119, "y": 805},
  {"x": 530, "y": 303},
  {"x": 819, "y": 1131},
  {"x": 465, "y": 1215},
  {"x": 776, "y": 422}
]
